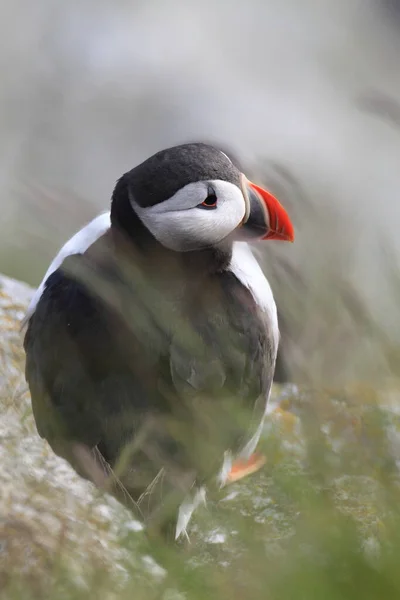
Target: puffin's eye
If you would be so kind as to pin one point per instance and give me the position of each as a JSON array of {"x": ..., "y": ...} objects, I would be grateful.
[{"x": 209, "y": 202}]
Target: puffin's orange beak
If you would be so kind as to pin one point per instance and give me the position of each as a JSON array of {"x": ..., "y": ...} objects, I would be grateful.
[
  {"x": 280, "y": 226},
  {"x": 266, "y": 219}
]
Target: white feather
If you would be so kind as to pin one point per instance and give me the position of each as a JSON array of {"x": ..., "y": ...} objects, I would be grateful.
[
  {"x": 186, "y": 510},
  {"x": 178, "y": 224},
  {"x": 246, "y": 268},
  {"x": 80, "y": 242}
]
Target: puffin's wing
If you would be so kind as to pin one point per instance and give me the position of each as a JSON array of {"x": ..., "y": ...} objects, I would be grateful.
[
  {"x": 57, "y": 371},
  {"x": 225, "y": 370},
  {"x": 90, "y": 374}
]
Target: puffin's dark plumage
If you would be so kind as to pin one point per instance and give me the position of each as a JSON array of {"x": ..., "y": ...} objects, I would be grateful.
[
  {"x": 150, "y": 337},
  {"x": 177, "y": 167}
]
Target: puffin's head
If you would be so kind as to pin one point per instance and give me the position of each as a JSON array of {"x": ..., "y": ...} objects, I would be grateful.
[{"x": 192, "y": 197}]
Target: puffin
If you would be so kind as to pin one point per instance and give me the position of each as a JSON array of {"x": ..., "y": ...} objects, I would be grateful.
[{"x": 152, "y": 340}]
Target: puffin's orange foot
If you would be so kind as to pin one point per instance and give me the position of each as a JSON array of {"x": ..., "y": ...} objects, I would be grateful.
[{"x": 241, "y": 468}]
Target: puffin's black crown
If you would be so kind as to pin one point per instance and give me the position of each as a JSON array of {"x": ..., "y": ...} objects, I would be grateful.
[{"x": 163, "y": 174}]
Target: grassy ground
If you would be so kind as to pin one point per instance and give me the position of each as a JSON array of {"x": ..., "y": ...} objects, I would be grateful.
[{"x": 321, "y": 520}]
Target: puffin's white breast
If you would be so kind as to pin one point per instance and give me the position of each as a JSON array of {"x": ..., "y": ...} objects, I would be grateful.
[{"x": 246, "y": 268}]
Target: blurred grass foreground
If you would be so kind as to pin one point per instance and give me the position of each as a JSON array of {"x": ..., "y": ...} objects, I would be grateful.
[{"x": 321, "y": 520}]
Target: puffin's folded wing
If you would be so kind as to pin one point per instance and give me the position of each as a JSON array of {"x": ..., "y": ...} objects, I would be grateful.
[{"x": 222, "y": 374}]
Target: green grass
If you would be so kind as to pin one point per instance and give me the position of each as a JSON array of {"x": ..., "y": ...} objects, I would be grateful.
[{"x": 319, "y": 521}]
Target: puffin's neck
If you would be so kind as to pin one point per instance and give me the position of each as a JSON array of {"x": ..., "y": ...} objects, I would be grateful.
[{"x": 124, "y": 220}]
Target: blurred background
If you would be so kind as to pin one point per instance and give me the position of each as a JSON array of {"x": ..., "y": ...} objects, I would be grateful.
[{"x": 306, "y": 95}]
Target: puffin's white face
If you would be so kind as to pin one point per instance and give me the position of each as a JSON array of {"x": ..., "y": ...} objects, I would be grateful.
[
  {"x": 192, "y": 197},
  {"x": 199, "y": 215}
]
